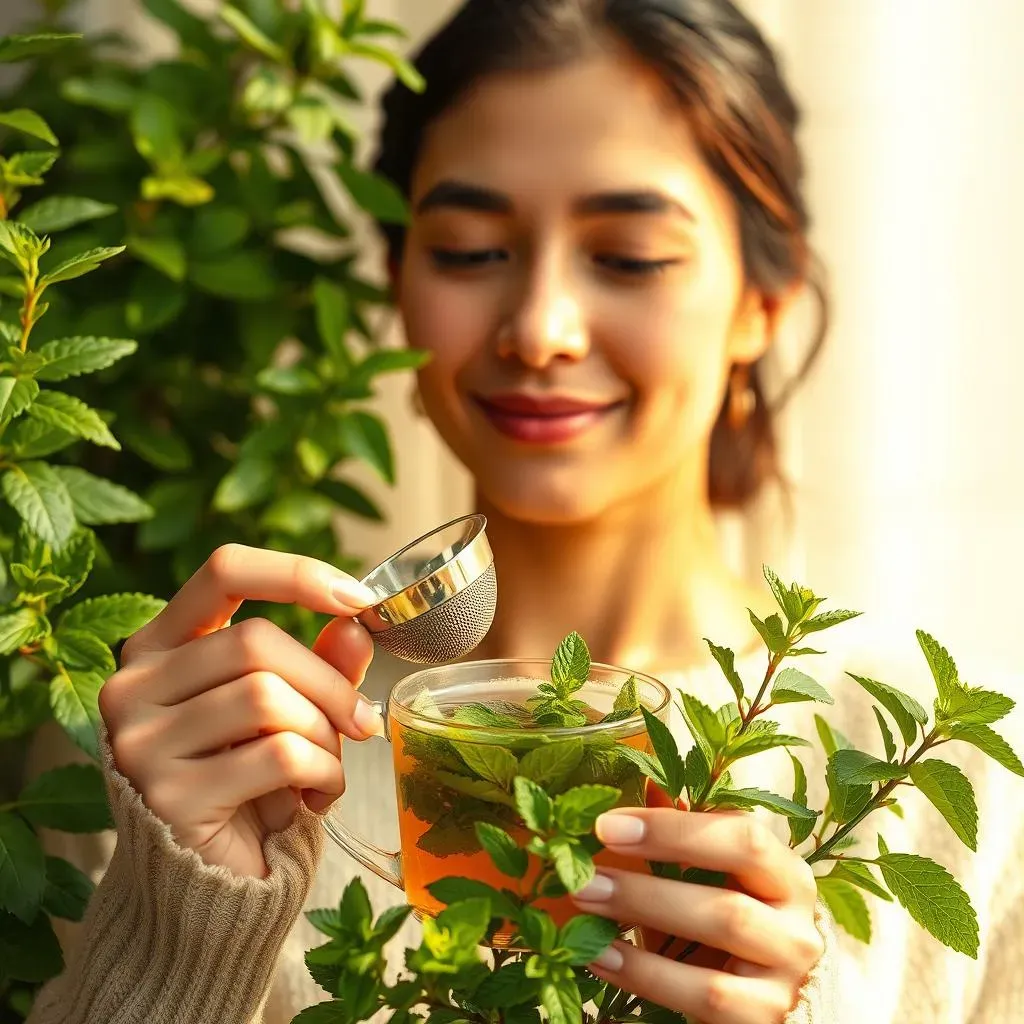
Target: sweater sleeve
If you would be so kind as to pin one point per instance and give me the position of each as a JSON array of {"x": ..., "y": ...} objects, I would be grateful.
[
  {"x": 818, "y": 997},
  {"x": 169, "y": 938}
]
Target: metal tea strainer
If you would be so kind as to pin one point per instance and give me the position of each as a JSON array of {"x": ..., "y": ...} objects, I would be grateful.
[{"x": 436, "y": 597}]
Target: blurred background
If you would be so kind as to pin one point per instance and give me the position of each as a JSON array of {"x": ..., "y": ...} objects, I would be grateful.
[{"x": 904, "y": 450}]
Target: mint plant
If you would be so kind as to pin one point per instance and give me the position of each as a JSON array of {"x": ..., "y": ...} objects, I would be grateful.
[
  {"x": 55, "y": 646},
  {"x": 543, "y": 976}
]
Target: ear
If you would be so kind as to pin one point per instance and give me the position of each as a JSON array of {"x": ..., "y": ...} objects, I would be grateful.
[{"x": 757, "y": 322}]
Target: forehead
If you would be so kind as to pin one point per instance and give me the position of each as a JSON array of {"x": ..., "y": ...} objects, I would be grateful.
[{"x": 599, "y": 123}]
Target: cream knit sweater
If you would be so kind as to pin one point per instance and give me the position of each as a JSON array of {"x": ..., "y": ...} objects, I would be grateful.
[{"x": 170, "y": 940}]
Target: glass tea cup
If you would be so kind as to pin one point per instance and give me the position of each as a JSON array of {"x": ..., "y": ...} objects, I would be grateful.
[{"x": 444, "y": 725}]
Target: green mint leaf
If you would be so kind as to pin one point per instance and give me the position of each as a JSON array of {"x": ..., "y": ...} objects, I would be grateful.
[
  {"x": 374, "y": 194},
  {"x": 933, "y": 898},
  {"x": 943, "y": 668},
  {"x": 562, "y": 1001},
  {"x": 112, "y": 617},
  {"x": 96, "y": 501},
  {"x": 827, "y": 620},
  {"x": 858, "y": 768},
  {"x": 354, "y": 910},
  {"x": 697, "y": 772},
  {"x": 73, "y": 416},
  {"x": 974, "y": 706},
  {"x": 534, "y": 805},
  {"x": 480, "y": 789},
  {"x": 627, "y": 700},
  {"x": 570, "y": 667},
  {"x": 488, "y": 717},
  {"x": 74, "y": 561},
  {"x": 750, "y": 798},
  {"x": 792, "y": 686},
  {"x": 799, "y": 828},
  {"x": 797, "y": 652},
  {"x": 506, "y": 988},
  {"x": 22, "y": 47},
  {"x": 164, "y": 254},
  {"x": 69, "y": 799},
  {"x": 788, "y": 600},
  {"x": 77, "y": 266},
  {"x": 952, "y": 794},
  {"x": 847, "y": 800},
  {"x": 577, "y": 809},
  {"x": 327, "y": 921},
  {"x": 573, "y": 864},
  {"x": 58, "y": 213},
  {"x": 502, "y": 849},
  {"x": 28, "y": 122},
  {"x": 647, "y": 764},
  {"x": 761, "y": 735},
  {"x": 30, "y": 439},
  {"x": 905, "y": 711},
  {"x": 831, "y": 739},
  {"x": 772, "y": 632},
  {"x": 74, "y": 701},
  {"x": 16, "y": 395},
  {"x": 551, "y": 765},
  {"x": 664, "y": 744},
  {"x": 449, "y": 834},
  {"x": 40, "y": 497},
  {"x": 19, "y": 628},
  {"x": 452, "y": 890},
  {"x": 22, "y": 869},
  {"x": 989, "y": 742},
  {"x": 366, "y": 438},
  {"x": 332, "y": 318},
  {"x": 250, "y": 481},
  {"x": 67, "y": 890},
  {"x": 495, "y": 764},
  {"x": 76, "y": 649},
  {"x": 887, "y": 741},
  {"x": 859, "y": 875},
  {"x": 705, "y": 726},
  {"x": 727, "y": 663},
  {"x": 29, "y": 952},
  {"x": 586, "y": 937},
  {"x": 72, "y": 357},
  {"x": 334, "y": 1011},
  {"x": 846, "y": 905},
  {"x": 538, "y": 930}
]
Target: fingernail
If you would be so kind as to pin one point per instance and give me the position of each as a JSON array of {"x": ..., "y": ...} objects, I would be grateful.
[
  {"x": 620, "y": 829},
  {"x": 367, "y": 719},
  {"x": 610, "y": 960},
  {"x": 600, "y": 889},
  {"x": 352, "y": 593}
]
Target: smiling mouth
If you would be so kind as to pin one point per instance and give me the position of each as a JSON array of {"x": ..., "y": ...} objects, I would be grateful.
[{"x": 544, "y": 420}]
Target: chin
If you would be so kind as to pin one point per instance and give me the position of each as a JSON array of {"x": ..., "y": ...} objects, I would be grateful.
[{"x": 566, "y": 500}]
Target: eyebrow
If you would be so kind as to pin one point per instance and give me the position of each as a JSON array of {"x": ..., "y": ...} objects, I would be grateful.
[{"x": 459, "y": 195}]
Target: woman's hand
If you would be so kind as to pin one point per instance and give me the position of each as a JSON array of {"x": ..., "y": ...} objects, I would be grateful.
[
  {"x": 223, "y": 729},
  {"x": 761, "y": 936}
]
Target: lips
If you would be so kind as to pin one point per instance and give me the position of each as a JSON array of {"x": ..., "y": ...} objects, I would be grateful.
[{"x": 548, "y": 419}]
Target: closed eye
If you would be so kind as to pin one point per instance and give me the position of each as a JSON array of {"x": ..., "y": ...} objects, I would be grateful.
[
  {"x": 464, "y": 259},
  {"x": 634, "y": 267}
]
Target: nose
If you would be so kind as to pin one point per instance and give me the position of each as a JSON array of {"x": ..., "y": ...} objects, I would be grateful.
[{"x": 547, "y": 325}]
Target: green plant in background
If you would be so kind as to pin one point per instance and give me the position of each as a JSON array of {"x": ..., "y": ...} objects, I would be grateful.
[
  {"x": 446, "y": 979},
  {"x": 229, "y": 173},
  {"x": 55, "y": 651}
]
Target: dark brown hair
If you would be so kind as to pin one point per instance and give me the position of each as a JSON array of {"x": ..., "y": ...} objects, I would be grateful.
[{"x": 728, "y": 83}]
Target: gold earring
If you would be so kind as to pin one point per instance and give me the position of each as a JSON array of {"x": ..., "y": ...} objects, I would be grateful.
[{"x": 742, "y": 397}]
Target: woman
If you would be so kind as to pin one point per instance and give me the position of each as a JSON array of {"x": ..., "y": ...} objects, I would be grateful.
[{"x": 607, "y": 225}]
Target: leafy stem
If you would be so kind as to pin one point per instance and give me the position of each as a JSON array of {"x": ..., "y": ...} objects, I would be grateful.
[{"x": 32, "y": 294}]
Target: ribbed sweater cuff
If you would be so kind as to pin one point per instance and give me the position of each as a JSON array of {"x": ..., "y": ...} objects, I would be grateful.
[{"x": 167, "y": 938}]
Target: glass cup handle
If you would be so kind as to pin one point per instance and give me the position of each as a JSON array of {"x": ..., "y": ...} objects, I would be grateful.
[{"x": 384, "y": 864}]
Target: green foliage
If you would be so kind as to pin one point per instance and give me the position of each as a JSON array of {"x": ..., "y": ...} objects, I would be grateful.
[{"x": 219, "y": 168}]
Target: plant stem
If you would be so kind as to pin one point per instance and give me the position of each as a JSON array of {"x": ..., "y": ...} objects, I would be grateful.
[
  {"x": 872, "y": 805},
  {"x": 755, "y": 709},
  {"x": 29, "y": 306}
]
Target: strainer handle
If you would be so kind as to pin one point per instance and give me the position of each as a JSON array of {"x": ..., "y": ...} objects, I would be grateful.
[{"x": 384, "y": 864}]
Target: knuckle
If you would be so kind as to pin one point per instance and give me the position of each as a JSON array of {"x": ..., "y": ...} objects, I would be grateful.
[
  {"x": 808, "y": 946},
  {"x": 261, "y": 695},
  {"x": 109, "y": 701},
  {"x": 254, "y": 637},
  {"x": 720, "y": 995},
  {"x": 757, "y": 840},
  {"x": 737, "y": 919},
  {"x": 287, "y": 754},
  {"x": 221, "y": 564}
]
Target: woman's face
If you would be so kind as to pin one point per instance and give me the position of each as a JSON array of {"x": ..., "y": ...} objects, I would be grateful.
[{"x": 574, "y": 268}]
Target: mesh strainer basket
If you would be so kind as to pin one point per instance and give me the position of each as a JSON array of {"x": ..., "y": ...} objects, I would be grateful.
[{"x": 437, "y": 596}]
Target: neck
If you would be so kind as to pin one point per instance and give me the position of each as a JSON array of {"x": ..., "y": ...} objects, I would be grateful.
[{"x": 643, "y": 583}]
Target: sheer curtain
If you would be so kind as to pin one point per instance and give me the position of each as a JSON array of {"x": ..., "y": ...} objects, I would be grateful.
[{"x": 905, "y": 448}]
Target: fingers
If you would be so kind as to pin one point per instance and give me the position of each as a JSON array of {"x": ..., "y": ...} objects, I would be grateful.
[
  {"x": 252, "y": 646},
  {"x": 736, "y": 845},
  {"x": 235, "y": 573},
  {"x": 712, "y": 997},
  {"x": 346, "y": 645},
  {"x": 258, "y": 704},
  {"x": 729, "y": 921},
  {"x": 284, "y": 760}
]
